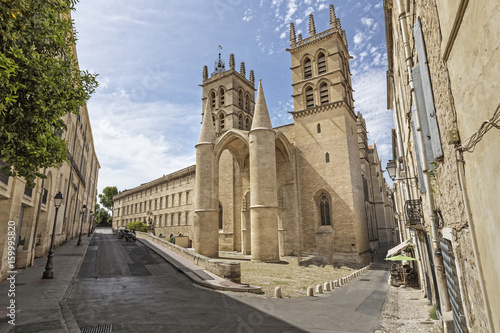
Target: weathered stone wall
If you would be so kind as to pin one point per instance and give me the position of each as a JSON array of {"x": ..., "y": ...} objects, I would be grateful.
[{"x": 459, "y": 98}]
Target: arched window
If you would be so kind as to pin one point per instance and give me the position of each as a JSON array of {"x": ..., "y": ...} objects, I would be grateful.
[
  {"x": 321, "y": 63},
  {"x": 307, "y": 68},
  {"x": 212, "y": 99},
  {"x": 327, "y": 158},
  {"x": 319, "y": 128},
  {"x": 309, "y": 97},
  {"x": 240, "y": 99},
  {"x": 220, "y": 217},
  {"x": 221, "y": 96},
  {"x": 324, "y": 207},
  {"x": 240, "y": 121},
  {"x": 221, "y": 118},
  {"x": 323, "y": 93},
  {"x": 247, "y": 102},
  {"x": 247, "y": 124},
  {"x": 213, "y": 120}
]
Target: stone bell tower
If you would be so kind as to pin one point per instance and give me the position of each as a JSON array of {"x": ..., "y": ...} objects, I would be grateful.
[
  {"x": 326, "y": 138},
  {"x": 230, "y": 95}
]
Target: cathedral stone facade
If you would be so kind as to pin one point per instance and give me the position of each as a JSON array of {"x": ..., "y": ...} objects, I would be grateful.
[{"x": 293, "y": 190}]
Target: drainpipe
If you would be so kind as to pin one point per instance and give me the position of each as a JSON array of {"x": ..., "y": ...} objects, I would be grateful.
[{"x": 438, "y": 259}]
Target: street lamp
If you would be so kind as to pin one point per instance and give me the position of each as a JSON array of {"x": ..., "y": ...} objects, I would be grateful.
[
  {"x": 84, "y": 210},
  {"x": 90, "y": 223},
  {"x": 48, "y": 274},
  {"x": 391, "y": 169}
]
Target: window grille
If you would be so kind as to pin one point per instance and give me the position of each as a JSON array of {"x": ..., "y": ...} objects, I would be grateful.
[
  {"x": 240, "y": 98},
  {"x": 309, "y": 98},
  {"x": 28, "y": 191},
  {"x": 221, "y": 97},
  {"x": 221, "y": 117},
  {"x": 324, "y": 207},
  {"x": 323, "y": 93},
  {"x": 44, "y": 198},
  {"x": 307, "y": 69},
  {"x": 212, "y": 99},
  {"x": 321, "y": 63}
]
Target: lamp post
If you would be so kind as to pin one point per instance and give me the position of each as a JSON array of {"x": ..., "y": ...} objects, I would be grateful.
[
  {"x": 48, "y": 274},
  {"x": 84, "y": 210},
  {"x": 91, "y": 223}
]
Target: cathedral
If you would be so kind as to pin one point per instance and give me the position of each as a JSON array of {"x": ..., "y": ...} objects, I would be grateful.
[{"x": 313, "y": 188}]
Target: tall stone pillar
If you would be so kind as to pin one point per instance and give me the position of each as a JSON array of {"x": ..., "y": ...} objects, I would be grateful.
[
  {"x": 245, "y": 225},
  {"x": 263, "y": 185},
  {"x": 206, "y": 227}
]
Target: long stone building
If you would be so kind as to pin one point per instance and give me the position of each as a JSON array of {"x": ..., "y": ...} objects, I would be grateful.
[
  {"x": 313, "y": 187},
  {"x": 32, "y": 211},
  {"x": 443, "y": 83}
]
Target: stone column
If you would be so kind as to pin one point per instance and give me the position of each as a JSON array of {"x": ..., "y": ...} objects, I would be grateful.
[
  {"x": 206, "y": 226},
  {"x": 263, "y": 185}
]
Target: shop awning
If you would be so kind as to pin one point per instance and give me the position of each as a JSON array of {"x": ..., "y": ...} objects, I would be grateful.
[{"x": 398, "y": 248}]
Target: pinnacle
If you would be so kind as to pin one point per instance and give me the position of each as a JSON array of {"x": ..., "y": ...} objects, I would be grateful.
[{"x": 261, "y": 117}]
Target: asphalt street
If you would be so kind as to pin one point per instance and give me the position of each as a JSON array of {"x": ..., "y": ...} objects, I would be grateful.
[{"x": 131, "y": 287}]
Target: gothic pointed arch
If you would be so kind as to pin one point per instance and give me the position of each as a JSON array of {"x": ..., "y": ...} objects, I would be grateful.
[
  {"x": 321, "y": 63},
  {"x": 222, "y": 96},
  {"x": 307, "y": 67},
  {"x": 324, "y": 207},
  {"x": 213, "y": 99},
  {"x": 308, "y": 93},
  {"x": 234, "y": 141}
]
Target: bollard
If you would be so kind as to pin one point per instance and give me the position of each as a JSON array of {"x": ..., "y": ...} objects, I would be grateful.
[
  {"x": 277, "y": 292},
  {"x": 332, "y": 285},
  {"x": 326, "y": 286},
  {"x": 310, "y": 291},
  {"x": 319, "y": 289}
]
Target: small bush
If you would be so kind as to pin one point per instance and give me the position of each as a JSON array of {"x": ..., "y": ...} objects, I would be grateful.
[
  {"x": 433, "y": 312},
  {"x": 137, "y": 226}
]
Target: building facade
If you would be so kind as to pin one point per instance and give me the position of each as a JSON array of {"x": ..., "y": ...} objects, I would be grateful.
[
  {"x": 443, "y": 81},
  {"x": 32, "y": 210},
  {"x": 293, "y": 190}
]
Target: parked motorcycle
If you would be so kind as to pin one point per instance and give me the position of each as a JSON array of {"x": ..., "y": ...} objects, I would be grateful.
[{"x": 129, "y": 235}]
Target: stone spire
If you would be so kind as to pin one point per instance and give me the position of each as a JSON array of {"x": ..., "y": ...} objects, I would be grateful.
[
  {"x": 205, "y": 73},
  {"x": 333, "y": 18},
  {"x": 312, "y": 28},
  {"x": 300, "y": 37},
  {"x": 252, "y": 76},
  {"x": 293, "y": 39},
  {"x": 231, "y": 61},
  {"x": 242, "y": 69},
  {"x": 207, "y": 133},
  {"x": 261, "y": 117}
]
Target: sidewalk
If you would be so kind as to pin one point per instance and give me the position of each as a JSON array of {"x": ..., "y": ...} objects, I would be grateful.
[{"x": 40, "y": 305}]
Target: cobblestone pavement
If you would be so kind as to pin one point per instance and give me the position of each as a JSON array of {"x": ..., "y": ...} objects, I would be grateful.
[{"x": 406, "y": 310}]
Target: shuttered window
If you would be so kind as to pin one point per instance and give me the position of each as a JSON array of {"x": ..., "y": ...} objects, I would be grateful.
[
  {"x": 309, "y": 98},
  {"x": 425, "y": 101},
  {"x": 307, "y": 69},
  {"x": 321, "y": 63},
  {"x": 323, "y": 93}
]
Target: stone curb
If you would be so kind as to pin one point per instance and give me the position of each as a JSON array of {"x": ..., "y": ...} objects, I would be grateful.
[{"x": 330, "y": 286}]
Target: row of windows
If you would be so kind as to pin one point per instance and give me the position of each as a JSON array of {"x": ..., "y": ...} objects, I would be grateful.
[
  {"x": 321, "y": 65},
  {"x": 219, "y": 122},
  {"x": 156, "y": 189},
  {"x": 323, "y": 95},
  {"x": 243, "y": 99},
  {"x": 165, "y": 220},
  {"x": 150, "y": 205}
]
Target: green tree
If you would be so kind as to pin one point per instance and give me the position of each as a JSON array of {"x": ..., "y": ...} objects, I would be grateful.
[
  {"x": 103, "y": 219},
  {"x": 40, "y": 82},
  {"x": 106, "y": 197}
]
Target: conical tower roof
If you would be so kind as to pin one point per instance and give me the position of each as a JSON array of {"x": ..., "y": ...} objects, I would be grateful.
[
  {"x": 207, "y": 133},
  {"x": 261, "y": 117}
]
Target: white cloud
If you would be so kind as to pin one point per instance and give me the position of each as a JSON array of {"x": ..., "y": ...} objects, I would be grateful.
[
  {"x": 283, "y": 35},
  {"x": 367, "y": 21}
]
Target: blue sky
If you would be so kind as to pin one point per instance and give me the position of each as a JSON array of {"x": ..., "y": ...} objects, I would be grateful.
[{"x": 150, "y": 55}]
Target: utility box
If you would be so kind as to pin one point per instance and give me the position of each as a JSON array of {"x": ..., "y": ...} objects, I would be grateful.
[{"x": 182, "y": 241}]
